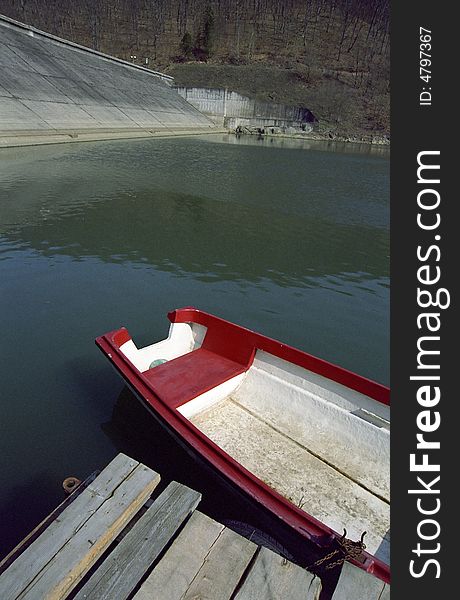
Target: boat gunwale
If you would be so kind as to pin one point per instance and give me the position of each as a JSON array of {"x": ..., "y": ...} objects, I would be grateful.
[
  {"x": 305, "y": 524},
  {"x": 340, "y": 375}
]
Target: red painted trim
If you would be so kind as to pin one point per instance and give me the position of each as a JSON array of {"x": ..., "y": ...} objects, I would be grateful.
[
  {"x": 305, "y": 524},
  {"x": 245, "y": 341}
]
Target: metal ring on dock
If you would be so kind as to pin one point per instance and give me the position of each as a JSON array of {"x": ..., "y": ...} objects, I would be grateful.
[{"x": 70, "y": 484}]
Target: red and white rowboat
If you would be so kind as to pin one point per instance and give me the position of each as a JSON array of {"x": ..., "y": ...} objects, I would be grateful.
[{"x": 305, "y": 439}]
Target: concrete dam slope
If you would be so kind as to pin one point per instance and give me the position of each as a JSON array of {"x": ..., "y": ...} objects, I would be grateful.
[{"x": 52, "y": 90}]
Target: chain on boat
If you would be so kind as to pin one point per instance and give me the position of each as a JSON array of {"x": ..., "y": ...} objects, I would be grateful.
[{"x": 347, "y": 549}]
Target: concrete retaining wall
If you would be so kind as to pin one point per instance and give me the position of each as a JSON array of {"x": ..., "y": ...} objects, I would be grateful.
[
  {"x": 233, "y": 109},
  {"x": 50, "y": 87}
]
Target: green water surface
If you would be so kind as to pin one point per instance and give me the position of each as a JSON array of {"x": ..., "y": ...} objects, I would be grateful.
[{"x": 288, "y": 238}]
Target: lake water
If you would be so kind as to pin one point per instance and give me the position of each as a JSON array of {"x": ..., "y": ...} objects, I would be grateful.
[{"x": 288, "y": 238}]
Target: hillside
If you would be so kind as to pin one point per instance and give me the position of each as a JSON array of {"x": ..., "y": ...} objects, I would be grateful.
[{"x": 331, "y": 56}]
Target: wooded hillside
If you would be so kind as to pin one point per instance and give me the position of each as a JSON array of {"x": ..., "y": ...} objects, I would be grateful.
[{"x": 331, "y": 56}]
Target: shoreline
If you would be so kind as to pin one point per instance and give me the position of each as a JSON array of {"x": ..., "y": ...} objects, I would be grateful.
[
  {"x": 35, "y": 138},
  {"x": 39, "y": 138},
  {"x": 372, "y": 139}
]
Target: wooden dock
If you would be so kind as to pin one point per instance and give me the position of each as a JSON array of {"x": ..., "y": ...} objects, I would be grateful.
[{"x": 111, "y": 540}]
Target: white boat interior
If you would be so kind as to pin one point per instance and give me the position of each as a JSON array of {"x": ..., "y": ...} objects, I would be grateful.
[{"x": 321, "y": 445}]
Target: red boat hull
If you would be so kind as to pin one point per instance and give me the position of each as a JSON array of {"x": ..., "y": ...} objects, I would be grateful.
[{"x": 239, "y": 344}]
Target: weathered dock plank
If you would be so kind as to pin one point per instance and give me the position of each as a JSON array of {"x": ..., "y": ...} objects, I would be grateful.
[
  {"x": 21, "y": 573},
  {"x": 121, "y": 572},
  {"x": 223, "y": 568},
  {"x": 40, "y": 528},
  {"x": 211, "y": 571},
  {"x": 273, "y": 578},
  {"x": 359, "y": 585},
  {"x": 168, "y": 551},
  {"x": 55, "y": 562},
  {"x": 174, "y": 574},
  {"x": 67, "y": 568}
]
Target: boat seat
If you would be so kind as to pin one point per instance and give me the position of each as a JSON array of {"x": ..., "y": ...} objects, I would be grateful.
[{"x": 183, "y": 378}]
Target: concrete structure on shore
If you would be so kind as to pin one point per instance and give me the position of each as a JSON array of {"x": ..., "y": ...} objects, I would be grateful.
[
  {"x": 233, "y": 110},
  {"x": 52, "y": 90}
]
